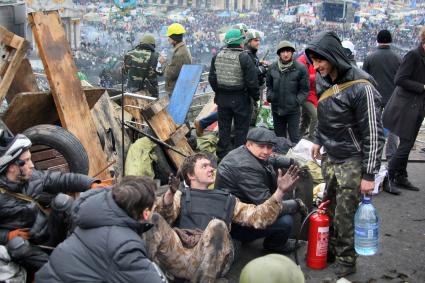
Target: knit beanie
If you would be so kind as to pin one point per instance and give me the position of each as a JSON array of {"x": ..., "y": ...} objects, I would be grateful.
[{"x": 384, "y": 36}]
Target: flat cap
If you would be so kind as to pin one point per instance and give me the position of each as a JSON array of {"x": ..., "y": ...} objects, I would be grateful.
[{"x": 261, "y": 135}]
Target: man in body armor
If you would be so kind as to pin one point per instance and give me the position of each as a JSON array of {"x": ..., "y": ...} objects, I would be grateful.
[
  {"x": 199, "y": 248},
  {"x": 234, "y": 79},
  {"x": 24, "y": 194},
  {"x": 140, "y": 63}
]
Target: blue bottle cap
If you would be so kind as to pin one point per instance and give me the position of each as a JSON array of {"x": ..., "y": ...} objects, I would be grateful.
[{"x": 366, "y": 199}]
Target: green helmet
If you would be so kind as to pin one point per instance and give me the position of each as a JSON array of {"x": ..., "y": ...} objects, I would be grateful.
[
  {"x": 148, "y": 38},
  {"x": 242, "y": 27},
  {"x": 274, "y": 267},
  {"x": 251, "y": 34},
  {"x": 234, "y": 36},
  {"x": 285, "y": 44}
]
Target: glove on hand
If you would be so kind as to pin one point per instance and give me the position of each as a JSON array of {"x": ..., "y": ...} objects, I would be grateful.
[{"x": 23, "y": 233}]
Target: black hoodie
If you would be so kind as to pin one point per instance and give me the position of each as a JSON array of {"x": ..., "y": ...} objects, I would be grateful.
[{"x": 349, "y": 122}]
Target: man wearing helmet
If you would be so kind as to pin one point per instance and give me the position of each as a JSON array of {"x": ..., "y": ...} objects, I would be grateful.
[
  {"x": 288, "y": 87},
  {"x": 181, "y": 56},
  {"x": 233, "y": 77},
  {"x": 252, "y": 44},
  {"x": 140, "y": 64},
  {"x": 24, "y": 193}
]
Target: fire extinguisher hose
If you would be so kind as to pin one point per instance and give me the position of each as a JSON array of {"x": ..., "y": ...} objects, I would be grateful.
[{"x": 299, "y": 233}]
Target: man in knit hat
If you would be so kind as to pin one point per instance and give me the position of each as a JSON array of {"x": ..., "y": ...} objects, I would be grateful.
[
  {"x": 383, "y": 64},
  {"x": 181, "y": 56}
]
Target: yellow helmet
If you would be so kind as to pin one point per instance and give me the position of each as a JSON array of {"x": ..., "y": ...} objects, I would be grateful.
[{"x": 175, "y": 28}]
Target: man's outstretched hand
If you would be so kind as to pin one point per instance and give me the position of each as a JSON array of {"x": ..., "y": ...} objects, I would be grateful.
[{"x": 285, "y": 182}]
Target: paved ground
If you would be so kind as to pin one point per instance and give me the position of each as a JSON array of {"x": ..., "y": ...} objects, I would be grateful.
[{"x": 401, "y": 255}]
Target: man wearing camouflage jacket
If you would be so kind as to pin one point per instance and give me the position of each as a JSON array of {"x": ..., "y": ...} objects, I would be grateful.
[
  {"x": 199, "y": 248},
  {"x": 140, "y": 63}
]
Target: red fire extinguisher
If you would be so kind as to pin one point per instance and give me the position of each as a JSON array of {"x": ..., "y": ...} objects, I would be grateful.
[{"x": 318, "y": 237}]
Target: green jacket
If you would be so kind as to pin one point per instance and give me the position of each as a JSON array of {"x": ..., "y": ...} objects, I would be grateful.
[
  {"x": 181, "y": 56},
  {"x": 136, "y": 62}
]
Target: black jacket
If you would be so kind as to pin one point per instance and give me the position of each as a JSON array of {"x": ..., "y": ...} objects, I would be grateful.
[
  {"x": 250, "y": 77},
  {"x": 405, "y": 110},
  {"x": 383, "y": 64},
  {"x": 287, "y": 90},
  {"x": 349, "y": 122},
  {"x": 261, "y": 70},
  {"x": 16, "y": 213},
  {"x": 246, "y": 177},
  {"x": 106, "y": 246}
]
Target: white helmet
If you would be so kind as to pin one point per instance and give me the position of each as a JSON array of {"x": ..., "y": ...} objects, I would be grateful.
[
  {"x": 349, "y": 45},
  {"x": 12, "y": 149}
]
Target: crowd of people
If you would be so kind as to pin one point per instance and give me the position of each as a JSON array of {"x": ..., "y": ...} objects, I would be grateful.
[{"x": 116, "y": 36}]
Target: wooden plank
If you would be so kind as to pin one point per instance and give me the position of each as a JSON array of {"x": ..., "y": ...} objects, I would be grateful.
[
  {"x": 107, "y": 121},
  {"x": 24, "y": 81},
  {"x": 44, "y": 155},
  {"x": 164, "y": 127},
  {"x": 178, "y": 135},
  {"x": 183, "y": 93},
  {"x": 51, "y": 162},
  {"x": 155, "y": 107},
  {"x": 14, "y": 49},
  {"x": 39, "y": 108},
  {"x": 61, "y": 72},
  {"x": 132, "y": 101}
]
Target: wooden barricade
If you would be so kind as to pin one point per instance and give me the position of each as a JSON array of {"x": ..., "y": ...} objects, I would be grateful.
[{"x": 70, "y": 102}]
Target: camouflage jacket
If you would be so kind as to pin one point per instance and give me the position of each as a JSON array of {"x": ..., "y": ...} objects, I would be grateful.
[
  {"x": 136, "y": 62},
  {"x": 256, "y": 216},
  {"x": 181, "y": 56}
]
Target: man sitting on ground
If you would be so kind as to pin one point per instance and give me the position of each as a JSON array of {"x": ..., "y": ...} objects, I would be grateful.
[
  {"x": 248, "y": 173},
  {"x": 199, "y": 248}
]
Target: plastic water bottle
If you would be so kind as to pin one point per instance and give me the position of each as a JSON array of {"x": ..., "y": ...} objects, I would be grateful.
[{"x": 366, "y": 227}]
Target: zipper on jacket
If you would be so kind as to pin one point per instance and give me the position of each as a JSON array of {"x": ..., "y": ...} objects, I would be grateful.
[{"x": 356, "y": 144}]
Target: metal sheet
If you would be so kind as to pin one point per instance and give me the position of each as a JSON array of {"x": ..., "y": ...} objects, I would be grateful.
[{"x": 184, "y": 91}]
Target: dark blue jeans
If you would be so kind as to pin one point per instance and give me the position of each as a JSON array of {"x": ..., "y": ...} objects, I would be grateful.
[
  {"x": 208, "y": 120},
  {"x": 276, "y": 234}
]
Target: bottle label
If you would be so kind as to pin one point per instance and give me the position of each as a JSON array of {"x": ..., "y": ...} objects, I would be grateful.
[
  {"x": 367, "y": 233},
  {"x": 322, "y": 241}
]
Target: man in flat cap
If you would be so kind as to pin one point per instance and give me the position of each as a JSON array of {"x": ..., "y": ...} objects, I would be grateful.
[{"x": 248, "y": 173}]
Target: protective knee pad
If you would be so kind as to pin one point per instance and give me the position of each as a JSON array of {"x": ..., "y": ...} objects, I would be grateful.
[
  {"x": 62, "y": 203},
  {"x": 18, "y": 248}
]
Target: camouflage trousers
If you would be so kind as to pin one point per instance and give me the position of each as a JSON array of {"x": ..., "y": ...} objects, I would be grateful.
[
  {"x": 343, "y": 190},
  {"x": 209, "y": 259}
]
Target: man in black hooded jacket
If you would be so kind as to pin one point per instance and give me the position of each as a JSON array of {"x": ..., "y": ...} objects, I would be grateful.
[{"x": 350, "y": 131}]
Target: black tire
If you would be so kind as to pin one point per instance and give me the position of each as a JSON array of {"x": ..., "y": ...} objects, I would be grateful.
[{"x": 64, "y": 142}]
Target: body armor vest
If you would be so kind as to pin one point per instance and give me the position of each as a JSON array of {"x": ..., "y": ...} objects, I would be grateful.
[
  {"x": 228, "y": 68},
  {"x": 199, "y": 207}
]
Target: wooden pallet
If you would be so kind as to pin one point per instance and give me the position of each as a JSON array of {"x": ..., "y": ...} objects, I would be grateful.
[
  {"x": 47, "y": 158},
  {"x": 12, "y": 51}
]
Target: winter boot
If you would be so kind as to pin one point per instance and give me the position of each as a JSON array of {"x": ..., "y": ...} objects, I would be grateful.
[{"x": 400, "y": 180}]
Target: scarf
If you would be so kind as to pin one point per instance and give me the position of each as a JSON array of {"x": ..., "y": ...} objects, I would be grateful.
[{"x": 284, "y": 66}]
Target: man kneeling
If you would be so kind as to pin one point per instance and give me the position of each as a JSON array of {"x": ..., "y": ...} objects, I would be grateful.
[
  {"x": 199, "y": 248},
  {"x": 106, "y": 244}
]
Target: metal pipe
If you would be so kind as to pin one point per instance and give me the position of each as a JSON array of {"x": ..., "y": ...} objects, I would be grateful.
[
  {"x": 156, "y": 140},
  {"x": 129, "y": 94}
]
